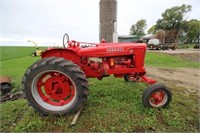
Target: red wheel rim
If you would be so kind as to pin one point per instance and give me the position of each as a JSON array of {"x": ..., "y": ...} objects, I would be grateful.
[
  {"x": 158, "y": 98},
  {"x": 55, "y": 88}
]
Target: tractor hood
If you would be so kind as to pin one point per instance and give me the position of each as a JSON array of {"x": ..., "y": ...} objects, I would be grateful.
[{"x": 111, "y": 49}]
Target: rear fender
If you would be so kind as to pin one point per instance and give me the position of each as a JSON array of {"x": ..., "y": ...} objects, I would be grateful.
[
  {"x": 72, "y": 56},
  {"x": 64, "y": 53}
]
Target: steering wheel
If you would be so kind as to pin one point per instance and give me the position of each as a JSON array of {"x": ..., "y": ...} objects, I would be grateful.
[{"x": 65, "y": 40}]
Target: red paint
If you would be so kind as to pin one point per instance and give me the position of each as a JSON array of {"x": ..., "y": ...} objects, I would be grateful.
[
  {"x": 115, "y": 58},
  {"x": 55, "y": 88},
  {"x": 157, "y": 97}
]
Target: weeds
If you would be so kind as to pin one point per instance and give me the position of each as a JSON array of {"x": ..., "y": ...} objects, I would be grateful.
[{"x": 108, "y": 108}]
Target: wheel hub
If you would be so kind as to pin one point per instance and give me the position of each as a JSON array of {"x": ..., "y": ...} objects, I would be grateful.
[
  {"x": 55, "y": 89},
  {"x": 157, "y": 97}
]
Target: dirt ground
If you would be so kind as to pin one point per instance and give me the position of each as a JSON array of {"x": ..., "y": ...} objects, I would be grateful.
[{"x": 183, "y": 77}]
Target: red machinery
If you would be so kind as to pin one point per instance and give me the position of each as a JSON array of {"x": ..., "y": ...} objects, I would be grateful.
[{"x": 57, "y": 84}]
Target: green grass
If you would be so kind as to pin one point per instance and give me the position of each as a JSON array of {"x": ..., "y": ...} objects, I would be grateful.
[
  {"x": 166, "y": 60},
  {"x": 15, "y": 68},
  {"x": 14, "y": 61},
  {"x": 15, "y": 52},
  {"x": 113, "y": 105}
]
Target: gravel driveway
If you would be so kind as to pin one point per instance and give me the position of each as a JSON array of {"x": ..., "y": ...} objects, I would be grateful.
[{"x": 184, "y": 77}]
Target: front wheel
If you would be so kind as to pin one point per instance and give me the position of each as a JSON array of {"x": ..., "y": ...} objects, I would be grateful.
[
  {"x": 157, "y": 95},
  {"x": 131, "y": 77},
  {"x": 55, "y": 86}
]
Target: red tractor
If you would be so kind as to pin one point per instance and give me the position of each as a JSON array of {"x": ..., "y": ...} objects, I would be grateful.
[{"x": 57, "y": 84}]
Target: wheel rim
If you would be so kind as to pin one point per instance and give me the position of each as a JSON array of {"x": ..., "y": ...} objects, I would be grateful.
[
  {"x": 53, "y": 90},
  {"x": 158, "y": 98},
  {"x": 133, "y": 77}
]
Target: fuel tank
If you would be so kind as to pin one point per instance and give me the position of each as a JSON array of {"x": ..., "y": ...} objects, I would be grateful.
[{"x": 112, "y": 49}]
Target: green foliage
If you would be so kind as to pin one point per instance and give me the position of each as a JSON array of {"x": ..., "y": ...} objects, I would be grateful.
[
  {"x": 138, "y": 28},
  {"x": 173, "y": 17},
  {"x": 152, "y": 30},
  {"x": 173, "y": 21},
  {"x": 190, "y": 31},
  {"x": 193, "y": 30}
]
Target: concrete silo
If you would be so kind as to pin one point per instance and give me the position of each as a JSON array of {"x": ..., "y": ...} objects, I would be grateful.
[{"x": 108, "y": 19}]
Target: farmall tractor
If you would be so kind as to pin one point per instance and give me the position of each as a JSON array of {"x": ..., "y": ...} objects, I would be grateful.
[{"x": 57, "y": 84}]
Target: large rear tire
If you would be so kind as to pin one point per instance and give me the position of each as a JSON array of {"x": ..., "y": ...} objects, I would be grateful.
[
  {"x": 157, "y": 96},
  {"x": 55, "y": 86}
]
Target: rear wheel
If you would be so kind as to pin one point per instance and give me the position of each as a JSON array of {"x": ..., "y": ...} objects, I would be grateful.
[
  {"x": 55, "y": 86},
  {"x": 156, "y": 95}
]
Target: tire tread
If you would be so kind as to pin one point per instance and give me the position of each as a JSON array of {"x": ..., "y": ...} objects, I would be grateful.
[{"x": 65, "y": 66}]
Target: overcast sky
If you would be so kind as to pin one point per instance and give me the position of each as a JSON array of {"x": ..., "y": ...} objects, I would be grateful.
[{"x": 45, "y": 21}]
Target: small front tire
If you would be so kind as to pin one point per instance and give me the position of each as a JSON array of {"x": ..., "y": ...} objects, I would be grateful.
[{"x": 157, "y": 96}]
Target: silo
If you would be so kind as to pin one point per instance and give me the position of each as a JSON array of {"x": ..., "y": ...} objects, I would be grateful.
[{"x": 107, "y": 17}]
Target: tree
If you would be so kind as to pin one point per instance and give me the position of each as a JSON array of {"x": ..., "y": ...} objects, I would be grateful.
[
  {"x": 173, "y": 21},
  {"x": 138, "y": 28},
  {"x": 190, "y": 31},
  {"x": 160, "y": 34},
  {"x": 152, "y": 30},
  {"x": 193, "y": 30},
  {"x": 173, "y": 17}
]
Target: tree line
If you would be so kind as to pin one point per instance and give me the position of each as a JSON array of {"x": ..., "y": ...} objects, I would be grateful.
[{"x": 173, "y": 20}]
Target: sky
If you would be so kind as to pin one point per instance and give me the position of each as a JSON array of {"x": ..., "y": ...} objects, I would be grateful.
[{"x": 46, "y": 21}]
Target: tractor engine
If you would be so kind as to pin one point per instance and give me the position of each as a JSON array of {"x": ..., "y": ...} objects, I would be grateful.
[
  {"x": 124, "y": 61},
  {"x": 113, "y": 62}
]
